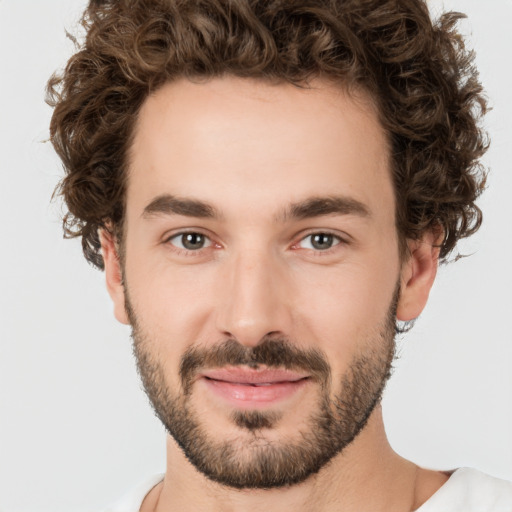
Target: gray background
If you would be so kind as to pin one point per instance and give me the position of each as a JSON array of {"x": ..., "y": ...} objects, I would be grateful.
[{"x": 75, "y": 429}]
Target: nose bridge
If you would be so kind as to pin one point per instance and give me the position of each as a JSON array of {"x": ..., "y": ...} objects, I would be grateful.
[{"x": 251, "y": 306}]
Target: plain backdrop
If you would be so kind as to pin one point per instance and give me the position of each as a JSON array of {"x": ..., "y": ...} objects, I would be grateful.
[{"x": 76, "y": 431}]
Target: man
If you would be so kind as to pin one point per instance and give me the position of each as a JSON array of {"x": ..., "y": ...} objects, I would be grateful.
[{"x": 269, "y": 187}]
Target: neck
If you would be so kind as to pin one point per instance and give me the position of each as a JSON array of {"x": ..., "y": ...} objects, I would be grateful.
[{"x": 367, "y": 476}]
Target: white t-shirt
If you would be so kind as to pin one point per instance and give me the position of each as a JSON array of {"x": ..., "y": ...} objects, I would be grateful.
[{"x": 467, "y": 490}]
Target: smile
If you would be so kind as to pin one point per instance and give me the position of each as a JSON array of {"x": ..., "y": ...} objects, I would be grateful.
[{"x": 248, "y": 388}]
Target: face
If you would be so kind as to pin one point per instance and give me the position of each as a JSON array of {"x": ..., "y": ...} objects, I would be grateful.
[{"x": 261, "y": 272}]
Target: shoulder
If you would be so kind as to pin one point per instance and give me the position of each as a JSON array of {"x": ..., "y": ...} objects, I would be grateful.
[
  {"x": 132, "y": 501},
  {"x": 469, "y": 490}
]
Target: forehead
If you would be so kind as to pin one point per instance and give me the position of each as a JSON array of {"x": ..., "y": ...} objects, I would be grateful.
[{"x": 247, "y": 145}]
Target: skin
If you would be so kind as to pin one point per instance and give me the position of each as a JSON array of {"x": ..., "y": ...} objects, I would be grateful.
[{"x": 250, "y": 149}]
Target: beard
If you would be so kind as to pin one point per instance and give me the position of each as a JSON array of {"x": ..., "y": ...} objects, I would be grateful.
[{"x": 250, "y": 460}]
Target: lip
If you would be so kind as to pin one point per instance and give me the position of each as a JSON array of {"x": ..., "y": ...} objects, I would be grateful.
[
  {"x": 241, "y": 375},
  {"x": 250, "y": 388}
]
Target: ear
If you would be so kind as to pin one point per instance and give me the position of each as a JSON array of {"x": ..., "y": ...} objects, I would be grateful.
[
  {"x": 417, "y": 275},
  {"x": 113, "y": 275}
]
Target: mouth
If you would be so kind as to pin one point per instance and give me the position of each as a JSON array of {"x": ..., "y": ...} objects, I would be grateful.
[{"x": 250, "y": 388}]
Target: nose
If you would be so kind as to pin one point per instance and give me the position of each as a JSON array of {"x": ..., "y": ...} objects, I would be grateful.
[{"x": 253, "y": 299}]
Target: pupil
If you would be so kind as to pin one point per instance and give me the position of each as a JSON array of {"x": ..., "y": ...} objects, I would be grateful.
[
  {"x": 193, "y": 241},
  {"x": 322, "y": 241}
]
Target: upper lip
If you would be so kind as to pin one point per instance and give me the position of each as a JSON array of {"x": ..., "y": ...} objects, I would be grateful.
[{"x": 244, "y": 375}]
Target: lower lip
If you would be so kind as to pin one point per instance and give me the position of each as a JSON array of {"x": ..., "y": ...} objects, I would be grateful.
[{"x": 253, "y": 396}]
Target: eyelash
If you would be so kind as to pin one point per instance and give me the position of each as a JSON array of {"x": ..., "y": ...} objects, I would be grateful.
[
  {"x": 188, "y": 252},
  {"x": 339, "y": 241}
]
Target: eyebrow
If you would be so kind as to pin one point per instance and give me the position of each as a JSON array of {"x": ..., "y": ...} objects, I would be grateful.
[
  {"x": 167, "y": 204},
  {"x": 320, "y": 206}
]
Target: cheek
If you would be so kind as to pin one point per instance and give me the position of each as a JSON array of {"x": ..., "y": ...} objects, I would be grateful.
[
  {"x": 171, "y": 308},
  {"x": 344, "y": 309}
]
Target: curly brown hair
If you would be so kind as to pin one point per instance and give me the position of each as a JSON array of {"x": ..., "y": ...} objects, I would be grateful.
[{"x": 419, "y": 73}]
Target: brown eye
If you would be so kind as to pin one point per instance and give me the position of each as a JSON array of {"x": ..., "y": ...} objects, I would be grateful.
[{"x": 190, "y": 241}]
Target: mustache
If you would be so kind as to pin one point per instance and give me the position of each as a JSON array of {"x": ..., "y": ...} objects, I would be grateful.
[{"x": 271, "y": 353}]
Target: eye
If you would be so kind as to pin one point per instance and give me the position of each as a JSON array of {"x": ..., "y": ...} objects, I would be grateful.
[
  {"x": 190, "y": 241},
  {"x": 319, "y": 241}
]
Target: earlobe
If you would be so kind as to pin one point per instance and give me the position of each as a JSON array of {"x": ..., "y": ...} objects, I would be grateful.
[
  {"x": 113, "y": 275},
  {"x": 418, "y": 275}
]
